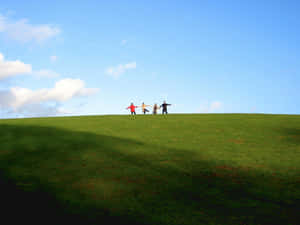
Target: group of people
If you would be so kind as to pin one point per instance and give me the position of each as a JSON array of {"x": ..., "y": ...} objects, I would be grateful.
[{"x": 164, "y": 107}]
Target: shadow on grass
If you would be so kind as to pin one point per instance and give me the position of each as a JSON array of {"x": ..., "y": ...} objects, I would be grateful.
[
  {"x": 40, "y": 206},
  {"x": 64, "y": 177}
]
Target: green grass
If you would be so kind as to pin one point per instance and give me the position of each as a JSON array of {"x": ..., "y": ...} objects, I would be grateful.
[{"x": 180, "y": 169}]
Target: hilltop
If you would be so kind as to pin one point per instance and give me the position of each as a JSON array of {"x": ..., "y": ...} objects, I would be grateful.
[{"x": 155, "y": 169}]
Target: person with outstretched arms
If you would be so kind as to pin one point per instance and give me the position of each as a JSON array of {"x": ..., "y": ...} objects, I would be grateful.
[
  {"x": 165, "y": 107},
  {"x": 144, "y": 109},
  {"x": 132, "y": 108}
]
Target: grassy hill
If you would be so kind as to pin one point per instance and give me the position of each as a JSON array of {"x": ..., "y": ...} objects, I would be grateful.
[{"x": 179, "y": 169}]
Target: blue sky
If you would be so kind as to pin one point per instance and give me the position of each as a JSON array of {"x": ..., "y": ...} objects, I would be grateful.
[{"x": 94, "y": 57}]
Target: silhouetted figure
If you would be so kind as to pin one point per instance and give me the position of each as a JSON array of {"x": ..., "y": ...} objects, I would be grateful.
[
  {"x": 132, "y": 109},
  {"x": 155, "y": 108},
  {"x": 164, "y": 107},
  {"x": 144, "y": 110}
]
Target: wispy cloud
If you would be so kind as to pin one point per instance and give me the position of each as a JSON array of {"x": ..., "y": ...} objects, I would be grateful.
[
  {"x": 120, "y": 69},
  {"x": 210, "y": 107},
  {"x": 253, "y": 109},
  {"x": 22, "y": 31},
  {"x": 124, "y": 42},
  {"x": 53, "y": 58},
  {"x": 13, "y": 68},
  {"x": 215, "y": 105},
  {"x": 45, "y": 74}
]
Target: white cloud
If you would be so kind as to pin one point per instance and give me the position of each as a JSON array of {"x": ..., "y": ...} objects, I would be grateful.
[
  {"x": 23, "y": 31},
  {"x": 210, "y": 107},
  {"x": 45, "y": 74},
  {"x": 124, "y": 42},
  {"x": 13, "y": 68},
  {"x": 53, "y": 58},
  {"x": 25, "y": 100},
  {"x": 120, "y": 69}
]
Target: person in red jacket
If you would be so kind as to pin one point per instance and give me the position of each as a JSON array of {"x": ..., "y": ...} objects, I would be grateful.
[{"x": 132, "y": 108}]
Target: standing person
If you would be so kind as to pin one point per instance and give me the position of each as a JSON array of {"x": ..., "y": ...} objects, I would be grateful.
[
  {"x": 164, "y": 107},
  {"x": 132, "y": 108},
  {"x": 144, "y": 110},
  {"x": 155, "y": 108}
]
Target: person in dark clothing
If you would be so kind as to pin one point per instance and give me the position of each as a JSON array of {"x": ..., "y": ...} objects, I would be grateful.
[{"x": 164, "y": 107}]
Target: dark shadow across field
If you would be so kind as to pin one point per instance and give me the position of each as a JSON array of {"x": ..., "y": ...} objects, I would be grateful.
[{"x": 44, "y": 172}]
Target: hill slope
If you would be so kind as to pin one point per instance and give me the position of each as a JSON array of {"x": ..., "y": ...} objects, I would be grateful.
[{"x": 179, "y": 169}]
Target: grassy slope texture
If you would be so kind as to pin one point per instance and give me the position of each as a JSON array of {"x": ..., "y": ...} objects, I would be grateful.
[{"x": 179, "y": 169}]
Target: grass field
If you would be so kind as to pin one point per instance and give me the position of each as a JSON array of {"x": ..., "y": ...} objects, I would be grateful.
[{"x": 180, "y": 169}]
